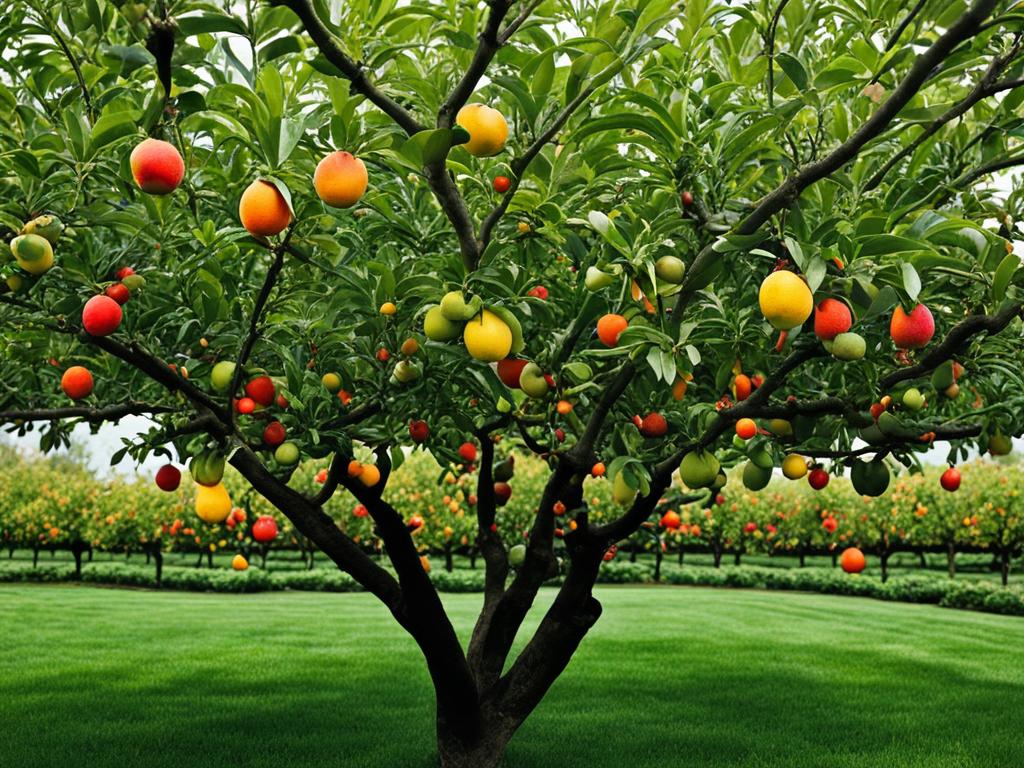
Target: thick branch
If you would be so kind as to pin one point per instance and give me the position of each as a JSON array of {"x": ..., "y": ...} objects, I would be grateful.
[
  {"x": 86, "y": 413},
  {"x": 331, "y": 49}
]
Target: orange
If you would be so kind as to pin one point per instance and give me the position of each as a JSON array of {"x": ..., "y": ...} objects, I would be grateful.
[
  {"x": 610, "y": 327},
  {"x": 263, "y": 209},
  {"x": 598, "y": 469},
  {"x": 355, "y": 469},
  {"x": 746, "y": 428},
  {"x": 370, "y": 475},
  {"x": 852, "y": 560},
  {"x": 76, "y": 382},
  {"x": 340, "y": 179}
]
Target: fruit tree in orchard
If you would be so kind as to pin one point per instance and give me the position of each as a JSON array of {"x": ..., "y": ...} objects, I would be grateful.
[{"x": 652, "y": 242}]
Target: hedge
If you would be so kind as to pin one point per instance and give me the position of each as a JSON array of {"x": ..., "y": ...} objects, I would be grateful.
[{"x": 935, "y": 589}]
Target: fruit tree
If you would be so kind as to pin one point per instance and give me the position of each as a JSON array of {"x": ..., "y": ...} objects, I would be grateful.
[{"x": 605, "y": 232}]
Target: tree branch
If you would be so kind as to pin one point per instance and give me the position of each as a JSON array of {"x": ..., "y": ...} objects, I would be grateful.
[
  {"x": 518, "y": 21},
  {"x": 75, "y": 66},
  {"x": 770, "y": 50},
  {"x": 86, "y": 413},
  {"x": 898, "y": 32},
  {"x": 333, "y": 52}
]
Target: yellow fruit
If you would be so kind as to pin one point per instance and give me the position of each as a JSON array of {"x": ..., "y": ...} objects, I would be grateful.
[
  {"x": 487, "y": 337},
  {"x": 437, "y": 327},
  {"x": 785, "y": 299},
  {"x": 239, "y": 563},
  {"x": 780, "y": 427},
  {"x": 794, "y": 466},
  {"x": 487, "y": 129},
  {"x": 370, "y": 475},
  {"x": 33, "y": 253},
  {"x": 622, "y": 492},
  {"x": 213, "y": 505},
  {"x": 388, "y": 308},
  {"x": 331, "y": 381}
]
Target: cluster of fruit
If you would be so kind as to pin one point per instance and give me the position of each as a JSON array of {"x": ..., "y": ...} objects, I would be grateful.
[{"x": 490, "y": 333}]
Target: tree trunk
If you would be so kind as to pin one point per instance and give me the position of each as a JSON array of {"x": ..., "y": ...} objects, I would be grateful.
[
  {"x": 883, "y": 560},
  {"x": 658, "y": 557},
  {"x": 209, "y": 559},
  {"x": 35, "y": 557},
  {"x": 803, "y": 558},
  {"x": 158, "y": 558},
  {"x": 10, "y": 553},
  {"x": 1004, "y": 569},
  {"x": 488, "y": 751},
  {"x": 632, "y": 553},
  {"x": 717, "y": 552},
  {"x": 77, "y": 550},
  {"x": 263, "y": 556},
  {"x": 199, "y": 562},
  {"x": 449, "y": 562},
  {"x": 737, "y": 557},
  {"x": 148, "y": 557},
  {"x": 472, "y": 558},
  {"x": 921, "y": 559},
  {"x": 681, "y": 552},
  {"x": 835, "y": 558},
  {"x": 951, "y": 559},
  {"x": 90, "y": 554}
]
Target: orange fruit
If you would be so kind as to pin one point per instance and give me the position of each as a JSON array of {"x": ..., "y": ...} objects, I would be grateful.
[
  {"x": 263, "y": 209},
  {"x": 77, "y": 382},
  {"x": 610, "y": 327},
  {"x": 746, "y": 428},
  {"x": 340, "y": 179},
  {"x": 370, "y": 475},
  {"x": 852, "y": 560}
]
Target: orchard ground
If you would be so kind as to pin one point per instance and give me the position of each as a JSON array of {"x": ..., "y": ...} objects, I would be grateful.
[{"x": 127, "y": 678}]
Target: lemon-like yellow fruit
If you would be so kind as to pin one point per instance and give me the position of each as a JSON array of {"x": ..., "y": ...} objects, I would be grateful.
[
  {"x": 794, "y": 466},
  {"x": 486, "y": 127},
  {"x": 33, "y": 253},
  {"x": 785, "y": 299},
  {"x": 487, "y": 337},
  {"x": 213, "y": 505}
]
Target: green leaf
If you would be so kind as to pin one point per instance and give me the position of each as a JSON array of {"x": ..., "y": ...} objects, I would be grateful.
[
  {"x": 911, "y": 280},
  {"x": 1003, "y": 274},
  {"x": 794, "y": 70},
  {"x": 207, "y": 23},
  {"x": 883, "y": 302}
]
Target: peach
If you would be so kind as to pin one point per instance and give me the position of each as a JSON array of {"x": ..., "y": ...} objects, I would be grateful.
[
  {"x": 157, "y": 167},
  {"x": 340, "y": 179},
  {"x": 263, "y": 209}
]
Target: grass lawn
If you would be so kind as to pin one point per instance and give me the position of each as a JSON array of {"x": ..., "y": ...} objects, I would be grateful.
[{"x": 669, "y": 677}]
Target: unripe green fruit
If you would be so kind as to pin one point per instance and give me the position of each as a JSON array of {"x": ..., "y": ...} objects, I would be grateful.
[
  {"x": 517, "y": 555},
  {"x": 406, "y": 371},
  {"x": 221, "y": 376},
  {"x": 133, "y": 282},
  {"x": 869, "y": 478},
  {"x": 532, "y": 381},
  {"x": 595, "y": 279},
  {"x": 456, "y": 309},
  {"x": 913, "y": 400},
  {"x": 699, "y": 469},
  {"x": 49, "y": 227},
  {"x": 287, "y": 454},
  {"x": 622, "y": 493},
  {"x": 999, "y": 444},
  {"x": 437, "y": 327},
  {"x": 670, "y": 269},
  {"x": 848, "y": 346},
  {"x": 754, "y": 477}
]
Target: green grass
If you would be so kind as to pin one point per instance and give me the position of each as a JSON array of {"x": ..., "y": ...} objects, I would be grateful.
[{"x": 668, "y": 677}]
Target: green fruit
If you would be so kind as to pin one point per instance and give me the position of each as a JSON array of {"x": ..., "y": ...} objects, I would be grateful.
[
  {"x": 512, "y": 322},
  {"x": 828, "y": 344},
  {"x": 595, "y": 279},
  {"x": 999, "y": 444},
  {"x": 532, "y": 381},
  {"x": 517, "y": 555},
  {"x": 720, "y": 480},
  {"x": 699, "y": 469},
  {"x": 848, "y": 346},
  {"x": 49, "y": 227},
  {"x": 780, "y": 427},
  {"x": 456, "y": 309},
  {"x": 942, "y": 377},
  {"x": 134, "y": 282},
  {"x": 754, "y": 477},
  {"x": 622, "y": 493},
  {"x": 870, "y": 478},
  {"x": 762, "y": 458},
  {"x": 437, "y": 327},
  {"x": 504, "y": 470},
  {"x": 33, "y": 253},
  {"x": 670, "y": 269},
  {"x": 872, "y": 435},
  {"x": 503, "y": 405},
  {"x": 207, "y": 467},
  {"x": 287, "y": 454},
  {"x": 913, "y": 400},
  {"x": 890, "y": 425},
  {"x": 406, "y": 371},
  {"x": 222, "y": 375}
]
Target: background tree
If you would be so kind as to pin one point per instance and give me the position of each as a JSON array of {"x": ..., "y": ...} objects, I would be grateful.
[{"x": 844, "y": 150}]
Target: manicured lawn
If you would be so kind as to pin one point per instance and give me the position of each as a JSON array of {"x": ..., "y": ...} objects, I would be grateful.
[{"x": 669, "y": 677}]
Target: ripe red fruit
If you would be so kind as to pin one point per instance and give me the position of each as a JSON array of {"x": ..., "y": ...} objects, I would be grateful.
[
  {"x": 912, "y": 331},
  {"x": 261, "y": 389},
  {"x": 750, "y": 527},
  {"x": 654, "y": 425},
  {"x": 157, "y": 167},
  {"x": 320, "y": 477},
  {"x": 560, "y": 435},
  {"x": 509, "y": 370},
  {"x": 419, "y": 431},
  {"x": 538, "y": 291},
  {"x": 831, "y": 318},
  {"x": 502, "y": 493},
  {"x": 245, "y": 405},
  {"x": 383, "y": 355},
  {"x": 818, "y": 478},
  {"x": 468, "y": 452},
  {"x": 124, "y": 272},
  {"x": 950, "y": 479},
  {"x": 282, "y": 402},
  {"x": 501, "y": 184},
  {"x": 118, "y": 292},
  {"x": 686, "y": 198},
  {"x": 671, "y": 520},
  {"x": 274, "y": 434},
  {"x": 743, "y": 386},
  {"x": 360, "y": 511},
  {"x": 76, "y": 382},
  {"x": 168, "y": 478},
  {"x": 852, "y": 560},
  {"x": 101, "y": 316},
  {"x": 829, "y": 524},
  {"x": 719, "y": 499},
  {"x": 264, "y": 529},
  {"x": 415, "y": 523},
  {"x": 746, "y": 429}
]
